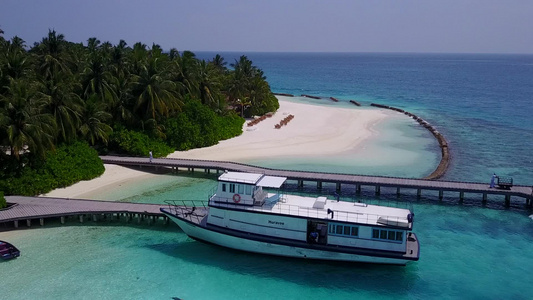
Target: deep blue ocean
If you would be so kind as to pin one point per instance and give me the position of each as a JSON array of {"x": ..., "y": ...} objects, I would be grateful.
[{"x": 481, "y": 104}]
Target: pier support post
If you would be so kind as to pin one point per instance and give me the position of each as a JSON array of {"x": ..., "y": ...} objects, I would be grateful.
[
  {"x": 358, "y": 188},
  {"x": 167, "y": 219},
  {"x": 28, "y": 222},
  {"x": 378, "y": 190},
  {"x": 419, "y": 193},
  {"x": 441, "y": 194},
  {"x": 81, "y": 218},
  {"x": 139, "y": 219},
  {"x": 16, "y": 223},
  {"x": 484, "y": 198},
  {"x": 507, "y": 200},
  {"x": 461, "y": 196},
  {"x": 397, "y": 192},
  {"x": 319, "y": 185},
  {"x": 300, "y": 183},
  {"x": 94, "y": 218},
  {"x": 338, "y": 187},
  {"x": 62, "y": 220},
  {"x": 41, "y": 221}
]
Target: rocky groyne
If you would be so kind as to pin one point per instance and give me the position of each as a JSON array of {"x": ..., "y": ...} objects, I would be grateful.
[{"x": 311, "y": 96}]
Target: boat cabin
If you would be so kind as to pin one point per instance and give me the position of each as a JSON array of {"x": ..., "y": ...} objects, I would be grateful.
[{"x": 245, "y": 188}]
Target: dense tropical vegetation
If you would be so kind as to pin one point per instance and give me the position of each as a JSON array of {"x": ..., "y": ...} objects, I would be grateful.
[{"x": 60, "y": 101}]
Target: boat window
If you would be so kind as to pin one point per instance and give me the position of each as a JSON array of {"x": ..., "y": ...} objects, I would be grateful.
[
  {"x": 346, "y": 230},
  {"x": 355, "y": 231},
  {"x": 232, "y": 188},
  {"x": 248, "y": 189},
  {"x": 399, "y": 236},
  {"x": 223, "y": 187},
  {"x": 389, "y": 235},
  {"x": 241, "y": 188}
]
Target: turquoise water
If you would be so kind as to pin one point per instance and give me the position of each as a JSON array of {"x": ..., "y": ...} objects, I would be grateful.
[{"x": 480, "y": 103}]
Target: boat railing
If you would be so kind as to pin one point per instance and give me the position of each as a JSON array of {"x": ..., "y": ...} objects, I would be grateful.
[
  {"x": 280, "y": 208},
  {"x": 187, "y": 208}
]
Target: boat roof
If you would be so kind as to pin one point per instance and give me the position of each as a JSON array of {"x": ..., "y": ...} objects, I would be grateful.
[{"x": 253, "y": 178}]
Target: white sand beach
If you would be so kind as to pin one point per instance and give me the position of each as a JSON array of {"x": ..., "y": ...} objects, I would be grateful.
[{"x": 314, "y": 130}]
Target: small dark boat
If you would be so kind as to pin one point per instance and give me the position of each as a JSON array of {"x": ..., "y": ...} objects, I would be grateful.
[{"x": 8, "y": 251}]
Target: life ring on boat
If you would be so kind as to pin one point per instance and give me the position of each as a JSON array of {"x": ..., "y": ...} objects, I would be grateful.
[{"x": 236, "y": 198}]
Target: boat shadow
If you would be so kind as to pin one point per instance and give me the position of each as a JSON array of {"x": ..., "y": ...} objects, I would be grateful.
[{"x": 338, "y": 275}]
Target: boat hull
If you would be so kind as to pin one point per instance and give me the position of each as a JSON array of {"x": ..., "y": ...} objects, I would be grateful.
[
  {"x": 8, "y": 251},
  {"x": 202, "y": 233}
]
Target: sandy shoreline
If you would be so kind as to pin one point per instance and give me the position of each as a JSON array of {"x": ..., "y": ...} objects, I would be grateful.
[{"x": 315, "y": 130}]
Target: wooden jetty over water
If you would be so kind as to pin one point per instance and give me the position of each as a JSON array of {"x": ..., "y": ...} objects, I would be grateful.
[
  {"x": 26, "y": 209},
  {"x": 375, "y": 182}
]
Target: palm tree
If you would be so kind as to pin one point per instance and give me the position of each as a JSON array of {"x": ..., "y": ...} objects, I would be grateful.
[
  {"x": 219, "y": 63},
  {"x": 139, "y": 57},
  {"x": 122, "y": 105},
  {"x": 92, "y": 44},
  {"x": 183, "y": 69},
  {"x": 208, "y": 86},
  {"x": 64, "y": 105},
  {"x": 118, "y": 58},
  {"x": 24, "y": 121},
  {"x": 52, "y": 55},
  {"x": 93, "y": 126},
  {"x": 96, "y": 79},
  {"x": 154, "y": 94},
  {"x": 14, "y": 62}
]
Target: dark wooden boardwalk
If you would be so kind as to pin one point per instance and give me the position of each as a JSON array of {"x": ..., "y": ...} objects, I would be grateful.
[
  {"x": 30, "y": 208},
  {"x": 376, "y": 182}
]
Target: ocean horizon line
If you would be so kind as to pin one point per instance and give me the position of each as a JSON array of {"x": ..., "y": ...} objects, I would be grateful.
[{"x": 363, "y": 52}]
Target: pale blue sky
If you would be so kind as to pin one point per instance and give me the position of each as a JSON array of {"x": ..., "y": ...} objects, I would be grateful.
[{"x": 478, "y": 26}]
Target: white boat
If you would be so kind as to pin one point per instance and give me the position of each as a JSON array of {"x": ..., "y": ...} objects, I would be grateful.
[{"x": 243, "y": 216}]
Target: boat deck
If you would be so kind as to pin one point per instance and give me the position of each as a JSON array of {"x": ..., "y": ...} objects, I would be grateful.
[{"x": 343, "y": 211}]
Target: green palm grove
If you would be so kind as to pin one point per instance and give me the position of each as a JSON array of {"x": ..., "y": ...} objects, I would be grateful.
[{"x": 57, "y": 96}]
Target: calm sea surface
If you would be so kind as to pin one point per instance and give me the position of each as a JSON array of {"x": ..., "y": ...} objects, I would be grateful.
[{"x": 482, "y": 105}]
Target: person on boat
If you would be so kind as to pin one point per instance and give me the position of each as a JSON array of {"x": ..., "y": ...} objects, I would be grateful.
[
  {"x": 314, "y": 236},
  {"x": 493, "y": 180}
]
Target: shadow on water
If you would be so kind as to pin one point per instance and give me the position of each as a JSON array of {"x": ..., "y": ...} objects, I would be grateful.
[{"x": 336, "y": 275}]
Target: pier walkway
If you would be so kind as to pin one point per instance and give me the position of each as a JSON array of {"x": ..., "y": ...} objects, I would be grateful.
[
  {"x": 27, "y": 209},
  {"x": 376, "y": 182}
]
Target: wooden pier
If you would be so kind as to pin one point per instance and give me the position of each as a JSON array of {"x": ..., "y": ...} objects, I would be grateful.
[
  {"x": 38, "y": 209},
  {"x": 360, "y": 181}
]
